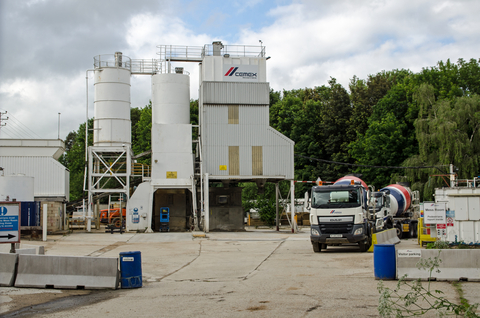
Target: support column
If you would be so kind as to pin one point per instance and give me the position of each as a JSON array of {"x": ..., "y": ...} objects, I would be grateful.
[
  {"x": 44, "y": 222},
  {"x": 292, "y": 207},
  {"x": 452, "y": 177},
  {"x": 207, "y": 205},
  {"x": 90, "y": 188},
  {"x": 277, "y": 218},
  {"x": 194, "y": 204}
]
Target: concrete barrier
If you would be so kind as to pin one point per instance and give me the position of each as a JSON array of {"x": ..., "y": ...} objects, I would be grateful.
[
  {"x": 385, "y": 237},
  {"x": 7, "y": 268},
  {"x": 23, "y": 248},
  {"x": 66, "y": 272},
  {"x": 463, "y": 264},
  {"x": 390, "y": 237},
  {"x": 26, "y": 251}
]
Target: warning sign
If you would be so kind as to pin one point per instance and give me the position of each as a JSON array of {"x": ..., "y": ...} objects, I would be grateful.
[
  {"x": 449, "y": 221},
  {"x": 171, "y": 175}
]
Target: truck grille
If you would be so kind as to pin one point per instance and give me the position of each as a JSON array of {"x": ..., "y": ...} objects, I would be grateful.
[{"x": 336, "y": 228}]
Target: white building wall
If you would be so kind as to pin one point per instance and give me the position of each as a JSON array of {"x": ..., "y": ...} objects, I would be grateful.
[{"x": 51, "y": 177}]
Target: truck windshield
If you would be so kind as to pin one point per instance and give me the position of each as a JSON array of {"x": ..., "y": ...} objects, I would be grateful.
[
  {"x": 336, "y": 198},
  {"x": 377, "y": 202}
]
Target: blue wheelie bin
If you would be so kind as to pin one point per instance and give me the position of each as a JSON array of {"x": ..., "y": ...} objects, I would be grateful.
[{"x": 131, "y": 269}]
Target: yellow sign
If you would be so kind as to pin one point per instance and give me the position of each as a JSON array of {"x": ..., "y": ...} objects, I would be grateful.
[
  {"x": 171, "y": 175},
  {"x": 223, "y": 167}
]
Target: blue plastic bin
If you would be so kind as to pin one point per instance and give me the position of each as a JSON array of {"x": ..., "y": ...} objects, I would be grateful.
[
  {"x": 384, "y": 263},
  {"x": 131, "y": 269}
]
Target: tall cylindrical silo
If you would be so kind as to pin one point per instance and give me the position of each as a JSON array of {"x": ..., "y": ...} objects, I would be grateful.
[
  {"x": 172, "y": 159},
  {"x": 171, "y": 98},
  {"x": 112, "y": 125}
]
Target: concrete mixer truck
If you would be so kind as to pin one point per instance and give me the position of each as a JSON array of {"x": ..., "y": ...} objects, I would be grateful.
[
  {"x": 339, "y": 214},
  {"x": 396, "y": 206}
]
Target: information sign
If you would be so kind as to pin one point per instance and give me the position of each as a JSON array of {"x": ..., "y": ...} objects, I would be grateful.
[
  {"x": 434, "y": 213},
  {"x": 9, "y": 222}
]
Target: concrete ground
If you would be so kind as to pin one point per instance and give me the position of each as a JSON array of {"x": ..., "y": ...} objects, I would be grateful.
[{"x": 241, "y": 274}]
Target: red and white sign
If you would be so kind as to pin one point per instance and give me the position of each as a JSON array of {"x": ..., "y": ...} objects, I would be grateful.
[
  {"x": 441, "y": 226},
  {"x": 449, "y": 221}
]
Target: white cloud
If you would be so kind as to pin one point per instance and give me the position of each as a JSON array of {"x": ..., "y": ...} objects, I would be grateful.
[
  {"x": 313, "y": 40},
  {"x": 144, "y": 33},
  {"x": 37, "y": 104},
  {"x": 46, "y": 46}
]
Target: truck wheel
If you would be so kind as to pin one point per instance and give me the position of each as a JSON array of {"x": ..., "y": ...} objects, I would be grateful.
[
  {"x": 413, "y": 230},
  {"x": 364, "y": 245},
  {"x": 388, "y": 224},
  {"x": 316, "y": 247},
  {"x": 399, "y": 231}
]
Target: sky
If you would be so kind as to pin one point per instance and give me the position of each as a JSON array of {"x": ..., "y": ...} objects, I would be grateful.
[{"x": 47, "y": 46}]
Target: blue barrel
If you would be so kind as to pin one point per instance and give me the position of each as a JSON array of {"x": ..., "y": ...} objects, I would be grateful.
[
  {"x": 131, "y": 269},
  {"x": 384, "y": 264}
]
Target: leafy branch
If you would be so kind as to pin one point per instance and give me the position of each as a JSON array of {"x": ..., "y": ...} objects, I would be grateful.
[{"x": 411, "y": 298}]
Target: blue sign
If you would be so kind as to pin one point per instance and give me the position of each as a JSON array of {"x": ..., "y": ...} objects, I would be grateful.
[{"x": 9, "y": 223}]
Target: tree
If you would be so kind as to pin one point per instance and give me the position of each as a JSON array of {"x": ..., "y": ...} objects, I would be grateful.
[
  {"x": 74, "y": 159},
  {"x": 447, "y": 133},
  {"x": 365, "y": 94},
  {"x": 143, "y": 134}
]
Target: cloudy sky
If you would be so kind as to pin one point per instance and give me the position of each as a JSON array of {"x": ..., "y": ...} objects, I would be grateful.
[{"x": 46, "y": 46}]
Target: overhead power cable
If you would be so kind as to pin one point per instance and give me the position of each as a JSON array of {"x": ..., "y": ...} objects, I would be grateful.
[
  {"x": 20, "y": 129},
  {"x": 371, "y": 166}
]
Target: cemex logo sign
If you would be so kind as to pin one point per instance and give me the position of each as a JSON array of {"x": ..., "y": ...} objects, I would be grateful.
[
  {"x": 233, "y": 72},
  {"x": 240, "y": 73}
]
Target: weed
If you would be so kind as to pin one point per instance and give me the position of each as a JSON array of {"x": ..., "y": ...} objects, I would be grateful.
[{"x": 411, "y": 298}]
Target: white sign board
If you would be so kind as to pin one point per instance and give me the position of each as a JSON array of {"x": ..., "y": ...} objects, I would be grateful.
[
  {"x": 9, "y": 222},
  {"x": 409, "y": 253},
  {"x": 240, "y": 73},
  {"x": 434, "y": 213}
]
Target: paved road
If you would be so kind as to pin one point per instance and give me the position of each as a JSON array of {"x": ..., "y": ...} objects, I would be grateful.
[{"x": 254, "y": 273}]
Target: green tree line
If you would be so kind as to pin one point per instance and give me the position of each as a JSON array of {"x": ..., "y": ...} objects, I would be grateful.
[{"x": 395, "y": 118}]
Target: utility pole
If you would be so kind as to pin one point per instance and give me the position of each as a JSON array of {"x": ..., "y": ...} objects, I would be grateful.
[
  {"x": 58, "y": 126},
  {"x": 1, "y": 118}
]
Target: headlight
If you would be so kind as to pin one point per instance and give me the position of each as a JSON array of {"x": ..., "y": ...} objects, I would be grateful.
[
  {"x": 315, "y": 232},
  {"x": 358, "y": 231}
]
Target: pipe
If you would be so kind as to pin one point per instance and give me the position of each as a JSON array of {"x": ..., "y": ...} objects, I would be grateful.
[{"x": 86, "y": 129}]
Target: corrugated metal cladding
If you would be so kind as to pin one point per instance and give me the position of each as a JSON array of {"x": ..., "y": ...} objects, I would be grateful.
[
  {"x": 51, "y": 178},
  {"x": 277, "y": 150},
  {"x": 220, "y": 114},
  {"x": 235, "y": 93}
]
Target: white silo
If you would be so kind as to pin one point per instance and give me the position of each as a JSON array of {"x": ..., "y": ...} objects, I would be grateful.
[
  {"x": 172, "y": 161},
  {"x": 112, "y": 126},
  {"x": 109, "y": 159},
  {"x": 171, "y": 184}
]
